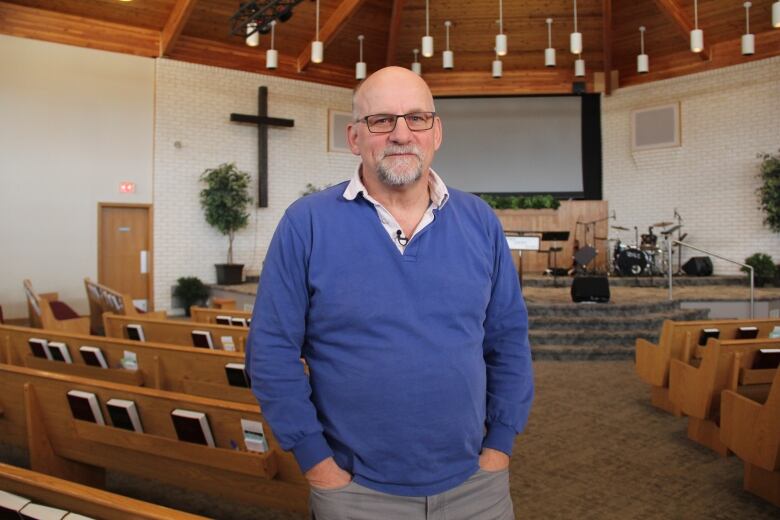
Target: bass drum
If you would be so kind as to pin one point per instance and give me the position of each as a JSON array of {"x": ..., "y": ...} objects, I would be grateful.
[{"x": 631, "y": 261}]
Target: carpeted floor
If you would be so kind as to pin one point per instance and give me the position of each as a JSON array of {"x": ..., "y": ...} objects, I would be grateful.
[{"x": 594, "y": 449}]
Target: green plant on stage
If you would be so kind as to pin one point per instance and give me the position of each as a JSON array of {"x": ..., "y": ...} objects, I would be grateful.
[
  {"x": 769, "y": 191},
  {"x": 763, "y": 268},
  {"x": 311, "y": 188},
  {"x": 225, "y": 199},
  {"x": 521, "y": 202},
  {"x": 190, "y": 290}
]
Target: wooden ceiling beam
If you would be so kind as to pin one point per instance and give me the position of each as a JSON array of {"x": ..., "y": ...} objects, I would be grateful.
[
  {"x": 607, "y": 45},
  {"x": 176, "y": 22},
  {"x": 340, "y": 17},
  {"x": 684, "y": 26},
  {"x": 41, "y": 24},
  {"x": 393, "y": 32},
  {"x": 513, "y": 82}
]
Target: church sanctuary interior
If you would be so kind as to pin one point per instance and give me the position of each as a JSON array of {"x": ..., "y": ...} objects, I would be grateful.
[{"x": 630, "y": 149}]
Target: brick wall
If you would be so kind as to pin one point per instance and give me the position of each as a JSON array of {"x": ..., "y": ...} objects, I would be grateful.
[{"x": 728, "y": 116}]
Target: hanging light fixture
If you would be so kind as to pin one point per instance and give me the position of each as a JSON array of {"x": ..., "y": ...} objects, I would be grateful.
[
  {"x": 416, "y": 65},
  {"x": 501, "y": 37},
  {"x": 272, "y": 55},
  {"x": 579, "y": 66},
  {"x": 575, "y": 38},
  {"x": 748, "y": 40},
  {"x": 317, "y": 47},
  {"x": 252, "y": 35},
  {"x": 776, "y": 15},
  {"x": 360, "y": 67},
  {"x": 427, "y": 41},
  {"x": 447, "y": 57},
  {"x": 549, "y": 52},
  {"x": 498, "y": 67},
  {"x": 697, "y": 35},
  {"x": 642, "y": 61}
]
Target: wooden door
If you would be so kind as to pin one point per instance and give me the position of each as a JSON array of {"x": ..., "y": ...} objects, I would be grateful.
[{"x": 125, "y": 250}]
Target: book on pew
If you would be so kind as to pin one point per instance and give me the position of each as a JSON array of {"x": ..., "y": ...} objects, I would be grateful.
[
  {"x": 223, "y": 320},
  {"x": 85, "y": 406},
  {"x": 76, "y": 516},
  {"x": 34, "y": 511},
  {"x": 60, "y": 352},
  {"x": 254, "y": 436},
  {"x": 192, "y": 427},
  {"x": 39, "y": 348},
  {"x": 248, "y": 322},
  {"x": 237, "y": 376},
  {"x": 747, "y": 333},
  {"x": 93, "y": 356},
  {"x": 227, "y": 343},
  {"x": 135, "y": 332},
  {"x": 202, "y": 339},
  {"x": 124, "y": 414},
  {"x": 11, "y": 504},
  {"x": 238, "y": 321},
  {"x": 707, "y": 334},
  {"x": 767, "y": 358}
]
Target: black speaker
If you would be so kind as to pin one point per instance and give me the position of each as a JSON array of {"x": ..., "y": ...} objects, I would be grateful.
[
  {"x": 698, "y": 266},
  {"x": 590, "y": 289},
  {"x": 579, "y": 87}
]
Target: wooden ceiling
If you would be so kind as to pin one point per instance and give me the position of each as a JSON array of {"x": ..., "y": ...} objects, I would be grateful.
[{"x": 199, "y": 31}]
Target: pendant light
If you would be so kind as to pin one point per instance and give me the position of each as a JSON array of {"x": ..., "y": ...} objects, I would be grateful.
[
  {"x": 317, "y": 47},
  {"x": 498, "y": 67},
  {"x": 272, "y": 55},
  {"x": 501, "y": 37},
  {"x": 642, "y": 61},
  {"x": 416, "y": 65},
  {"x": 579, "y": 66},
  {"x": 697, "y": 35},
  {"x": 748, "y": 40},
  {"x": 776, "y": 15},
  {"x": 427, "y": 41},
  {"x": 549, "y": 52},
  {"x": 252, "y": 35},
  {"x": 575, "y": 38},
  {"x": 360, "y": 66},
  {"x": 447, "y": 57}
]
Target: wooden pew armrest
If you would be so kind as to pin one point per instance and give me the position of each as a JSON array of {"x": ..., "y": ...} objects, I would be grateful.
[
  {"x": 684, "y": 389},
  {"x": 745, "y": 428},
  {"x": 651, "y": 362}
]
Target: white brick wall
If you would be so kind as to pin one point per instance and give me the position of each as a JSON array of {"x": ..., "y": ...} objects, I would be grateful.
[
  {"x": 193, "y": 107},
  {"x": 728, "y": 116}
]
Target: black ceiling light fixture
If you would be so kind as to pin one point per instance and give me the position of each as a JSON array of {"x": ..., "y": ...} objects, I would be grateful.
[{"x": 256, "y": 16}]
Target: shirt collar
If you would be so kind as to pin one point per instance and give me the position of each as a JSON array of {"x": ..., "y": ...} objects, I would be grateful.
[{"x": 436, "y": 187}]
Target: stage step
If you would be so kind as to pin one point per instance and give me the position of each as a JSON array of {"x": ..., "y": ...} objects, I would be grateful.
[
  {"x": 593, "y": 310},
  {"x": 533, "y": 280},
  {"x": 639, "y": 320}
]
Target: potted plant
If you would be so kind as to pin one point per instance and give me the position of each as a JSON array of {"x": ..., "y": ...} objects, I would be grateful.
[
  {"x": 190, "y": 290},
  {"x": 763, "y": 268},
  {"x": 769, "y": 191},
  {"x": 224, "y": 200}
]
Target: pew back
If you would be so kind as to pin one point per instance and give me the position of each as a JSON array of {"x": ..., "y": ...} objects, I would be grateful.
[
  {"x": 209, "y": 315},
  {"x": 42, "y": 316},
  {"x": 176, "y": 332},
  {"x": 104, "y": 299}
]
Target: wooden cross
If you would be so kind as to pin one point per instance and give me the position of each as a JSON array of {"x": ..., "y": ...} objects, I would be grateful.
[{"x": 263, "y": 122}]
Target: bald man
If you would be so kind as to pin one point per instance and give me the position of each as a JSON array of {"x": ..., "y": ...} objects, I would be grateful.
[{"x": 401, "y": 295}]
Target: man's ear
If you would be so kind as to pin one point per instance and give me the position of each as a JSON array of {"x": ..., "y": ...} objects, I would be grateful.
[
  {"x": 352, "y": 137},
  {"x": 437, "y": 133}
]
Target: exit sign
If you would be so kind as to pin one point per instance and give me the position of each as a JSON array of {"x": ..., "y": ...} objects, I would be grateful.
[{"x": 126, "y": 187}]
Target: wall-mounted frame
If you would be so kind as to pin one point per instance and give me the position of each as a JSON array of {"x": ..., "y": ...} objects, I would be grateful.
[
  {"x": 337, "y": 130},
  {"x": 656, "y": 127}
]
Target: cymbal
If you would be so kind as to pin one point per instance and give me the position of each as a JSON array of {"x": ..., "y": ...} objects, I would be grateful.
[
  {"x": 671, "y": 230},
  {"x": 619, "y": 228},
  {"x": 662, "y": 224}
]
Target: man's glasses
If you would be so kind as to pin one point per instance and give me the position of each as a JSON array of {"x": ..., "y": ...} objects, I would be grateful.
[{"x": 385, "y": 123}]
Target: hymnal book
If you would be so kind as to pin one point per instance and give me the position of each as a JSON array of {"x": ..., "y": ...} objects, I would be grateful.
[
  {"x": 707, "y": 334},
  {"x": 38, "y": 512},
  {"x": 135, "y": 332},
  {"x": 254, "y": 436},
  {"x": 767, "y": 358},
  {"x": 248, "y": 322},
  {"x": 192, "y": 427},
  {"x": 747, "y": 333},
  {"x": 238, "y": 322},
  {"x": 11, "y": 504},
  {"x": 236, "y": 375},
  {"x": 124, "y": 414},
  {"x": 76, "y": 516},
  {"x": 202, "y": 339},
  {"x": 59, "y": 351},
  {"x": 85, "y": 406},
  {"x": 93, "y": 356},
  {"x": 39, "y": 347},
  {"x": 227, "y": 343},
  {"x": 223, "y": 320}
]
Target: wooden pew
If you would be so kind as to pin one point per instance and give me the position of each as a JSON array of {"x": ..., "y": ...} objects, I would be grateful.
[
  {"x": 175, "y": 332},
  {"x": 696, "y": 389},
  {"x": 104, "y": 299},
  {"x": 39, "y": 307},
  {"x": 36, "y": 414},
  {"x": 175, "y": 368},
  {"x": 209, "y": 315},
  {"x": 81, "y": 499},
  {"x": 653, "y": 361}
]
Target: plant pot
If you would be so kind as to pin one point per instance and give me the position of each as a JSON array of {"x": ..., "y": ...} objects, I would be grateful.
[{"x": 230, "y": 274}]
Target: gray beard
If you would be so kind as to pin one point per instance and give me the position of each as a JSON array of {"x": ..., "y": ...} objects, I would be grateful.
[{"x": 399, "y": 174}]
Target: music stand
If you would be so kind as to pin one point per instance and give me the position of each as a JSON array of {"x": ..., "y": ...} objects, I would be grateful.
[{"x": 554, "y": 237}]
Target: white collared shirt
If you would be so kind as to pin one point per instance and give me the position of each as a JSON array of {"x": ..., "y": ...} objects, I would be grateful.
[{"x": 438, "y": 196}]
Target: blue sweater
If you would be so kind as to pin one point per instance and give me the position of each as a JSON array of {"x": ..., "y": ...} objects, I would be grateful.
[{"x": 417, "y": 360}]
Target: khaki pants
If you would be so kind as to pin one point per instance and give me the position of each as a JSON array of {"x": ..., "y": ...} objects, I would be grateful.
[{"x": 484, "y": 496}]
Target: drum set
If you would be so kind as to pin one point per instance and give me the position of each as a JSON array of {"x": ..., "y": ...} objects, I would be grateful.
[{"x": 647, "y": 256}]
